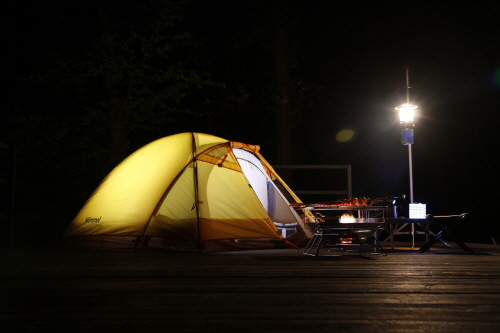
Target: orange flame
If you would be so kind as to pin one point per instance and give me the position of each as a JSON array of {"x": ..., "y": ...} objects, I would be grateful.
[{"x": 347, "y": 218}]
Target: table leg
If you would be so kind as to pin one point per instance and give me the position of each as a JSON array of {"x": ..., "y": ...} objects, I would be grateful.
[
  {"x": 428, "y": 245},
  {"x": 319, "y": 244},
  {"x": 459, "y": 242},
  {"x": 444, "y": 230},
  {"x": 391, "y": 235}
]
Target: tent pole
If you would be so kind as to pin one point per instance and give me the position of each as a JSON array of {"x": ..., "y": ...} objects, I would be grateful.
[{"x": 195, "y": 204}]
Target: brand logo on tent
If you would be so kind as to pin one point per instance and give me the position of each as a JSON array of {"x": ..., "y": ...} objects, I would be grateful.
[{"x": 93, "y": 220}]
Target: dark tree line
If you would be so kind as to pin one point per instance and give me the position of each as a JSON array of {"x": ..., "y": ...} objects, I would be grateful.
[{"x": 91, "y": 82}]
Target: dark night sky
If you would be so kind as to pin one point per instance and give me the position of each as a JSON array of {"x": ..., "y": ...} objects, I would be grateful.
[{"x": 358, "y": 52}]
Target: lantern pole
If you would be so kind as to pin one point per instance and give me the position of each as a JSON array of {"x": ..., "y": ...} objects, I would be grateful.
[{"x": 406, "y": 114}]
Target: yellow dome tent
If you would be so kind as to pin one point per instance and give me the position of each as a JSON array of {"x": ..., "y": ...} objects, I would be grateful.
[{"x": 188, "y": 192}]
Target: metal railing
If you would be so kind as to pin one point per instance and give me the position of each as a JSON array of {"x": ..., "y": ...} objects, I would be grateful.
[{"x": 347, "y": 167}]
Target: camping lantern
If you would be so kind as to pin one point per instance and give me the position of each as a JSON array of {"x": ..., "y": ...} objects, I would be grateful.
[{"x": 406, "y": 114}]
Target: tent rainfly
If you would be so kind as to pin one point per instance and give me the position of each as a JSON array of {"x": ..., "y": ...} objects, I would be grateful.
[{"x": 188, "y": 192}]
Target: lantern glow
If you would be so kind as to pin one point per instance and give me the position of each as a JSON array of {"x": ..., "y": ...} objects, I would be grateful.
[{"x": 406, "y": 112}]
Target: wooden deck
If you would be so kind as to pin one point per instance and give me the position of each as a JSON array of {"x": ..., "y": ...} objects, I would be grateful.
[{"x": 445, "y": 290}]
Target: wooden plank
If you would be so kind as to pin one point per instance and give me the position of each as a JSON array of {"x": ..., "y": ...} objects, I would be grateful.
[{"x": 445, "y": 290}]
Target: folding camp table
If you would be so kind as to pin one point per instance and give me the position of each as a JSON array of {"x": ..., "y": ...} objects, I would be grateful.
[
  {"x": 396, "y": 226},
  {"x": 444, "y": 223}
]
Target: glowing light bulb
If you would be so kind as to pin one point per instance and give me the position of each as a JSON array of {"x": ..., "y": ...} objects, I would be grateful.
[{"x": 406, "y": 112}]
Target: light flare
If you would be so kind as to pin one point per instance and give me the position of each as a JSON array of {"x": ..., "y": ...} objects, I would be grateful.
[{"x": 345, "y": 135}]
